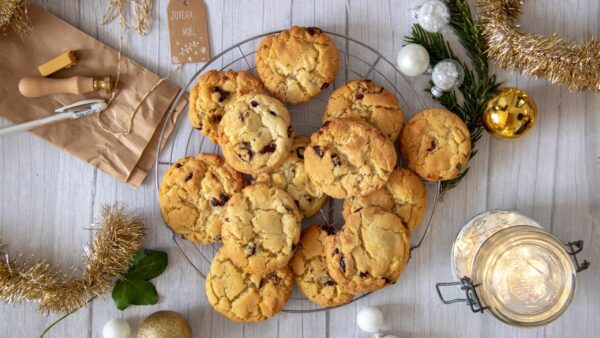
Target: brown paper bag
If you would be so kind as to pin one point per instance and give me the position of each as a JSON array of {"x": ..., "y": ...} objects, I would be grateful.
[{"x": 128, "y": 158}]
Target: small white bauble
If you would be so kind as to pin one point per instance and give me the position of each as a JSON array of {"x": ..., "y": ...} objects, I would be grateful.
[
  {"x": 446, "y": 75},
  {"x": 413, "y": 59},
  {"x": 433, "y": 15},
  {"x": 116, "y": 328},
  {"x": 370, "y": 319},
  {"x": 390, "y": 336}
]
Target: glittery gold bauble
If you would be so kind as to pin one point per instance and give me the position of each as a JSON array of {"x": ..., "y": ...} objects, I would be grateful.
[
  {"x": 164, "y": 324},
  {"x": 510, "y": 114}
]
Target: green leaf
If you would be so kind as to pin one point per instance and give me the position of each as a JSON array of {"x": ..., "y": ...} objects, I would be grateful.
[
  {"x": 147, "y": 264},
  {"x": 133, "y": 292}
]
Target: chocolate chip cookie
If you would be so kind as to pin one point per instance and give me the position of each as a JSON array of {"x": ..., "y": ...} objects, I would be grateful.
[
  {"x": 403, "y": 194},
  {"x": 310, "y": 270},
  {"x": 291, "y": 176},
  {"x": 436, "y": 144},
  {"x": 213, "y": 92},
  {"x": 349, "y": 157},
  {"x": 245, "y": 297},
  {"x": 261, "y": 229},
  {"x": 368, "y": 101},
  {"x": 255, "y": 134},
  {"x": 369, "y": 252},
  {"x": 193, "y": 194},
  {"x": 297, "y": 63}
]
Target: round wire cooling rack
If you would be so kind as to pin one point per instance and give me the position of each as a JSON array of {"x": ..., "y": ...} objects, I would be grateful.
[{"x": 357, "y": 61}]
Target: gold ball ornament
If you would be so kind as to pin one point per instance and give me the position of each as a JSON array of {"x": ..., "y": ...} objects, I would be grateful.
[
  {"x": 164, "y": 324},
  {"x": 510, "y": 114}
]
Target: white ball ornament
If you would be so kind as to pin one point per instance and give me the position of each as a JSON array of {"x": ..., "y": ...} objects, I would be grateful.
[
  {"x": 116, "y": 328},
  {"x": 432, "y": 15},
  {"x": 390, "y": 336},
  {"x": 413, "y": 59},
  {"x": 446, "y": 75},
  {"x": 370, "y": 319}
]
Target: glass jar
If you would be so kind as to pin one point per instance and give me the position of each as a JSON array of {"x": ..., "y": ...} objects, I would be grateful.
[{"x": 507, "y": 264}]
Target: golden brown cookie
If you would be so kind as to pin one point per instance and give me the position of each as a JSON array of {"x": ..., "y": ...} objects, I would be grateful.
[
  {"x": 349, "y": 157},
  {"x": 213, "y": 92},
  {"x": 261, "y": 229},
  {"x": 310, "y": 270},
  {"x": 245, "y": 297},
  {"x": 193, "y": 193},
  {"x": 436, "y": 144},
  {"x": 369, "y": 252},
  {"x": 297, "y": 63},
  {"x": 291, "y": 176},
  {"x": 368, "y": 101},
  {"x": 255, "y": 134},
  {"x": 403, "y": 194}
]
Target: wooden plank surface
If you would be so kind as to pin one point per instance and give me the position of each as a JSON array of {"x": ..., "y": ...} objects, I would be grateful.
[{"x": 48, "y": 198}]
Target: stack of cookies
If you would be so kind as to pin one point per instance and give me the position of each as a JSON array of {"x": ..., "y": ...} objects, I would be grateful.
[{"x": 206, "y": 198}]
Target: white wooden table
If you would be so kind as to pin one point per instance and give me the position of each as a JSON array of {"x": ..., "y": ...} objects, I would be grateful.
[{"x": 47, "y": 197}]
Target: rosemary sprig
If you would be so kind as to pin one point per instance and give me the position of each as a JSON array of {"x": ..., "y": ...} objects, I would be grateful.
[{"x": 478, "y": 85}]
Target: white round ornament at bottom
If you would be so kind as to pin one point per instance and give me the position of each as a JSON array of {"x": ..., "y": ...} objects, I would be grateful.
[
  {"x": 116, "y": 328},
  {"x": 413, "y": 59},
  {"x": 390, "y": 336},
  {"x": 370, "y": 319}
]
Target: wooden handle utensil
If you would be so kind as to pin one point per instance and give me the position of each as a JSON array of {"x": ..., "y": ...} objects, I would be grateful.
[{"x": 40, "y": 86}]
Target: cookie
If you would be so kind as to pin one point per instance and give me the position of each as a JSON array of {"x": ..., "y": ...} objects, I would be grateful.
[
  {"x": 369, "y": 252},
  {"x": 245, "y": 297},
  {"x": 368, "y": 101},
  {"x": 193, "y": 194},
  {"x": 255, "y": 134},
  {"x": 403, "y": 194},
  {"x": 261, "y": 229},
  {"x": 310, "y": 270},
  {"x": 349, "y": 157},
  {"x": 291, "y": 176},
  {"x": 436, "y": 144},
  {"x": 297, "y": 63},
  {"x": 213, "y": 92}
]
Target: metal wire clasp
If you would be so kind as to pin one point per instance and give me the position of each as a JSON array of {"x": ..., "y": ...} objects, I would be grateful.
[
  {"x": 573, "y": 248},
  {"x": 472, "y": 299}
]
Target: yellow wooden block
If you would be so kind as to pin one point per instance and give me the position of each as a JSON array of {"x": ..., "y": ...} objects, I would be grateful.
[{"x": 64, "y": 60}]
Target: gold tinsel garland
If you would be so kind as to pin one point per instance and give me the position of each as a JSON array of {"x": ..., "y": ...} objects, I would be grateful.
[
  {"x": 118, "y": 238},
  {"x": 13, "y": 13},
  {"x": 573, "y": 64}
]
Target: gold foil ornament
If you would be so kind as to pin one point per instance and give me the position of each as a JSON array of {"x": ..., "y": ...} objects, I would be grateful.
[
  {"x": 165, "y": 324},
  {"x": 510, "y": 114}
]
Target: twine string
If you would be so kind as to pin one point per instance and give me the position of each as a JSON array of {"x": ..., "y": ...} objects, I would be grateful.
[{"x": 141, "y": 11}]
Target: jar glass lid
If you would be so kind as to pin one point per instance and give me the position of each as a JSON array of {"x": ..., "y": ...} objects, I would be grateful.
[{"x": 525, "y": 274}]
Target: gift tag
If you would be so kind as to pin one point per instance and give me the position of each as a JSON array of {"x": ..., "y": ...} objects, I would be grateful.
[{"x": 188, "y": 31}]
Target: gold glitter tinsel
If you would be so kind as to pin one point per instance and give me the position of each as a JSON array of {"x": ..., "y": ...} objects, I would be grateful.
[
  {"x": 117, "y": 239},
  {"x": 13, "y": 14},
  {"x": 573, "y": 64}
]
